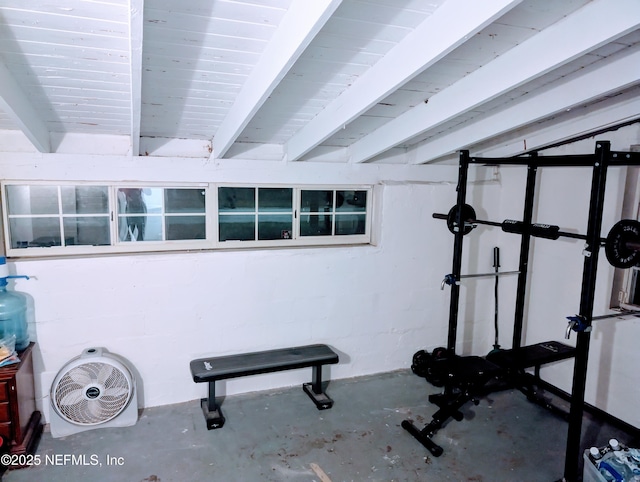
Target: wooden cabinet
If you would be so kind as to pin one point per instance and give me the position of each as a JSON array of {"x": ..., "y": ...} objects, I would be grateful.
[{"x": 20, "y": 422}]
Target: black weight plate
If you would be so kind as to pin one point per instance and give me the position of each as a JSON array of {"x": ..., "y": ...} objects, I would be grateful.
[
  {"x": 468, "y": 216},
  {"x": 440, "y": 353},
  {"x": 421, "y": 362},
  {"x": 621, "y": 242}
]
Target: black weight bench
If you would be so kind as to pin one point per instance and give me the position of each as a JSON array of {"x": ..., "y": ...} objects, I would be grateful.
[
  {"x": 514, "y": 362},
  {"x": 213, "y": 369},
  {"x": 466, "y": 377}
]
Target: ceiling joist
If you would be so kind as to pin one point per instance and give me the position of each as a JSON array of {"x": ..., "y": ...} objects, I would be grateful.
[
  {"x": 523, "y": 63},
  {"x": 136, "y": 15},
  {"x": 586, "y": 122},
  {"x": 18, "y": 107},
  {"x": 299, "y": 26},
  {"x": 618, "y": 72},
  {"x": 434, "y": 38}
]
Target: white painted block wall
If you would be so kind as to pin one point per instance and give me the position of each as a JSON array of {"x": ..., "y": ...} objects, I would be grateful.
[{"x": 376, "y": 305}]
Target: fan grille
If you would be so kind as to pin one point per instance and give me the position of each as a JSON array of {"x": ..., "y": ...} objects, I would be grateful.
[{"x": 92, "y": 393}]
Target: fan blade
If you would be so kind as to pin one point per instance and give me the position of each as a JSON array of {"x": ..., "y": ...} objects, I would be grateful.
[
  {"x": 116, "y": 392},
  {"x": 80, "y": 376},
  {"x": 72, "y": 398},
  {"x": 94, "y": 408},
  {"x": 104, "y": 373}
]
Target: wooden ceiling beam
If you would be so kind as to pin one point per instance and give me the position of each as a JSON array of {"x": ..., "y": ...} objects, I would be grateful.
[
  {"x": 136, "y": 16},
  {"x": 430, "y": 41},
  {"x": 612, "y": 75},
  {"x": 533, "y": 58},
  {"x": 18, "y": 107},
  {"x": 299, "y": 26}
]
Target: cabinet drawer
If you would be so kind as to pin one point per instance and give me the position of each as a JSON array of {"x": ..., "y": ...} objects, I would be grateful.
[
  {"x": 5, "y": 413},
  {"x": 4, "y": 391}
]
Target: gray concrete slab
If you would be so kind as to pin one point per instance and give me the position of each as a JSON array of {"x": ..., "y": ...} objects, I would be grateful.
[{"x": 280, "y": 435}]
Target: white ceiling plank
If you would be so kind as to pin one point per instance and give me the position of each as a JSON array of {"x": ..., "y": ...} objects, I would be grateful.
[
  {"x": 17, "y": 105},
  {"x": 434, "y": 38},
  {"x": 135, "y": 64},
  {"x": 299, "y": 26},
  {"x": 517, "y": 66},
  {"x": 614, "y": 74}
]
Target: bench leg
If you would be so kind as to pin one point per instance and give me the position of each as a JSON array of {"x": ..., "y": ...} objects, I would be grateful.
[
  {"x": 211, "y": 410},
  {"x": 314, "y": 390}
]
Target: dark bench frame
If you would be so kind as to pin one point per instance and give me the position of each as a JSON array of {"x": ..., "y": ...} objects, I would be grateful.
[
  {"x": 467, "y": 377},
  {"x": 213, "y": 369}
]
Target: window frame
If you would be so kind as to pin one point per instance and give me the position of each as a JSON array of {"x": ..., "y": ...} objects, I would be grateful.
[
  {"x": 296, "y": 239},
  {"x": 625, "y": 280},
  {"x": 116, "y": 246},
  {"x": 211, "y": 217}
]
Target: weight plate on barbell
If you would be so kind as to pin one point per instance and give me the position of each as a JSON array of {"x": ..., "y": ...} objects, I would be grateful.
[
  {"x": 622, "y": 243},
  {"x": 468, "y": 216}
]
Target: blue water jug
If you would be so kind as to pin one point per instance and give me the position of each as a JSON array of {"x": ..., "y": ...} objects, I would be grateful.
[{"x": 13, "y": 310}]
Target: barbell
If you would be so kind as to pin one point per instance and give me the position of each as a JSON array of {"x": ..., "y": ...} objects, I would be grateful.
[{"x": 622, "y": 244}]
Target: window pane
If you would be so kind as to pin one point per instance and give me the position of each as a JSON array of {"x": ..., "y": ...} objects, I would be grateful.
[
  {"x": 34, "y": 232},
  {"x": 316, "y": 201},
  {"x": 274, "y": 226},
  {"x": 93, "y": 231},
  {"x": 238, "y": 199},
  {"x": 634, "y": 292},
  {"x": 347, "y": 201},
  {"x": 237, "y": 227},
  {"x": 273, "y": 200},
  {"x": 153, "y": 229},
  {"x": 133, "y": 205},
  {"x": 84, "y": 199},
  {"x": 315, "y": 225},
  {"x": 350, "y": 224},
  {"x": 140, "y": 228},
  {"x": 185, "y": 227},
  {"x": 184, "y": 200},
  {"x": 32, "y": 199}
]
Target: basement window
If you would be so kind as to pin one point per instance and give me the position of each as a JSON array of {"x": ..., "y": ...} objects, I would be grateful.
[
  {"x": 626, "y": 284},
  {"x": 57, "y": 216},
  {"x": 91, "y": 219},
  {"x": 160, "y": 214},
  {"x": 293, "y": 216},
  {"x": 57, "y": 219},
  {"x": 633, "y": 288},
  {"x": 333, "y": 212},
  {"x": 255, "y": 213}
]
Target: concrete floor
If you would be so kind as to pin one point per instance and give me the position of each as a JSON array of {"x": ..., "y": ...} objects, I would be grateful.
[{"x": 280, "y": 435}]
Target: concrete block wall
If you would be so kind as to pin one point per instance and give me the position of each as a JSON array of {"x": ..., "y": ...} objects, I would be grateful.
[{"x": 375, "y": 304}]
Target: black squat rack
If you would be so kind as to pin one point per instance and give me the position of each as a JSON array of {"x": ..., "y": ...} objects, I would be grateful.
[{"x": 468, "y": 374}]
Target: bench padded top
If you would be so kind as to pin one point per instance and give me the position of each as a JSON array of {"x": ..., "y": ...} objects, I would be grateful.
[
  {"x": 232, "y": 366},
  {"x": 532, "y": 355}
]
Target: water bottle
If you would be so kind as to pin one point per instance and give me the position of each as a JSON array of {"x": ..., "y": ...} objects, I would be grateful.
[
  {"x": 617, "y": 467},
  {"x": 595, "y": 455},
  {"x": 614, "y": 445},
  {"x": 13, "y": 310},
  {"x": 613, "y": 470}
]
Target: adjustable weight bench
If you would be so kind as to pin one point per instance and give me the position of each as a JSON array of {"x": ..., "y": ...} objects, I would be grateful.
[
  {"x": 466, "y": 377},
  {"x": 233, "y": 366}
]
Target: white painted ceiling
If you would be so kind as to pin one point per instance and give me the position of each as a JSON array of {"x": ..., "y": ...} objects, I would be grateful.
[{"x": 402, "y": 81}]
